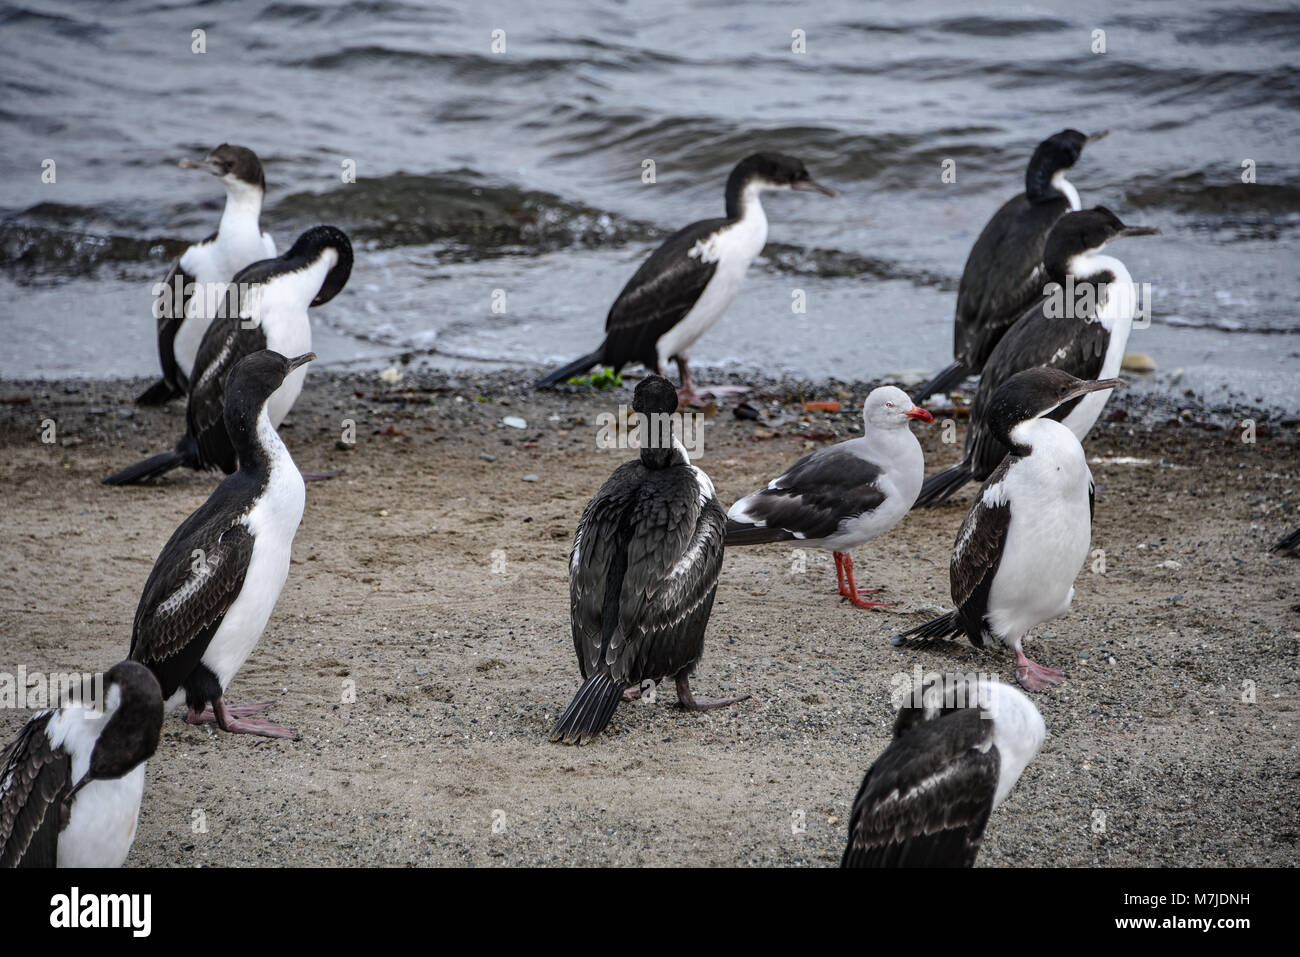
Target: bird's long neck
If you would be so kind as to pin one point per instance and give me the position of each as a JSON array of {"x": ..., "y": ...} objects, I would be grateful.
[
  {"x": 239, "y": 220},
  {"x": 256, "y": 442},
  {"x": 1116, "y": 294},
  {"x": 743, "y": 199},
  {"x": 1045, "y": 180}
]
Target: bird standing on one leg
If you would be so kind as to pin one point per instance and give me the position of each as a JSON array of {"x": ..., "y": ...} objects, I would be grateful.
[{"x": 642, "y": 575}]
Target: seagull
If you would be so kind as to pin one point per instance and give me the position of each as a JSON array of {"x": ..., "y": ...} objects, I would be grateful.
[
  {"x": 195, "y": 286},
  {"x": 642, "y": 575},
  {"x": 1025, "y": 538},
  {"x": 217, "y": 580},
  {"x": 1004, "y": 273},
  {"x": 842, "y": 496},
  {"x": 1065, "y": 331},
  {"x": 960, "y": 745},
  {"x": 72, "y": 781},
  {"x": 688, "y": 282}
]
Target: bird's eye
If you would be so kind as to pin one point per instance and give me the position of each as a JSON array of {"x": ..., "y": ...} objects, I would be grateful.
[{"x": 889, "y": 405}]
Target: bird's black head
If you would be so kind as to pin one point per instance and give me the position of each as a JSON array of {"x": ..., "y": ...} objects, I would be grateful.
[
  {"x": 134, "y": 727},
  {"x": 1058, "y": 152},
  {"x": 769, "y": 171},
  {"x": 1034, "y": 393},
  {"x": 249, "y": 385},
  {"x": 1087, "y": 231},
  {"x": 231, "y": 163},
  {"x": 313, "y": 244},
  {"x": 654, "y": 394}
]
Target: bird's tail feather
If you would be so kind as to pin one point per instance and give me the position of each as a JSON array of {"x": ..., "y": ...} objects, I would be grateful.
[
  {"x": 1288, "y": 543},
  {"x": 156, "y": 466},
  {"x": 941, "y": 485},
  {"x": 160, "y": 393},
  {"x": 576, "y": 367},
  {"x": 742, "y": 533},
  {"x": 945, "y": 626},
  {"x": 942, "y": 383},
  {"x": 590, "y": 710}
]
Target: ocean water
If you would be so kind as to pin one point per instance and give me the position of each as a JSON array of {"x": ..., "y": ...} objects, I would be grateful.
[{"x": 515, "y": 175}]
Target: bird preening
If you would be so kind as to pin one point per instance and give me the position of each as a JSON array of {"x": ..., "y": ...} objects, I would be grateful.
[{"x": 265, "y": 307}]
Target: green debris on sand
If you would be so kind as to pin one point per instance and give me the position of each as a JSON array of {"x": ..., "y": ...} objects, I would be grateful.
[{"x": 605, "y": 378}]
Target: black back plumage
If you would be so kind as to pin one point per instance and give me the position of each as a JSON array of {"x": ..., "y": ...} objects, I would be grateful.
[
  {"x": 1004, "y": 273},
  {"x": 926, "y": 800},
  {"x": 643, "y": 573}
]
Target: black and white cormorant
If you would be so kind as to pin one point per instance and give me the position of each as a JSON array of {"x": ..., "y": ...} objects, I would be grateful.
[
  {"x": 266, "y": 308},
  {"x": 1004, "y": 273},
  {"x": 960, "y": 745},
  {"x": 842, "y": 496},
  {"x": 642, "y": 575},
  {"x": 71, "y": 782},
  {"x": 196, "y": 284},
  {"x": 688, "y": 282},
  {"x": 1087, "y": 341},
  {"x": 213, "y": 587},
  {"x": 1026, "y": 537}
]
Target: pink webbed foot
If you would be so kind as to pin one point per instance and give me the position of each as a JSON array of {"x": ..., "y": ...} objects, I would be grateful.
[
  {"x": 234, "y": 710},
  {"x": 1033, "y": 676},
  {"x": 227, "y": 720}
]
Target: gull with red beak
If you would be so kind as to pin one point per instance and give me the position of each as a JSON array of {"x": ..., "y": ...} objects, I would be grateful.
[
  {"x": 842, "y": 496},
  {"x": 1025, "y": 538}
]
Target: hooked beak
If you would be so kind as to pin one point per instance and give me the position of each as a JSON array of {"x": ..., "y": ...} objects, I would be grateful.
[
  {"x": 302, "y": 360},
  {"x": 918, "y": 413},
  {"x": 1099, "y": 135},
  {"x": 1083, "y": 388},
  {"x": 810, "y": 185},
  {"x": 1140, "y": 231}
]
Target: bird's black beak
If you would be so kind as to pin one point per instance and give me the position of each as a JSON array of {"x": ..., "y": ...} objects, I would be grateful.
[
  {"x": 301, "y": 360},
  {"x": 811, "y": 185},
  {"x": 1083, "y": 388},
  {"x": 1140, "y": 231},
  {"x": 1099, "y": 135}
]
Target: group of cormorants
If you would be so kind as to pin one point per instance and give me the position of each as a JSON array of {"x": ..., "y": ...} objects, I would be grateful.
[{"x": 234, "y": 339}]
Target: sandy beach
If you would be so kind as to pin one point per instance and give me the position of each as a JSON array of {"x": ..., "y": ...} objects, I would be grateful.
[{"x": 421, "y": 646}]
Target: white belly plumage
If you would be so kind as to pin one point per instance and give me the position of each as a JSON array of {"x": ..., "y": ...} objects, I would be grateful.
[
  {"x": 733, "y": 247},
  {"x": 211, "y": 266},
  {"x": 101, "y": 827},
  {"x": 273, "y": 521},
  {"x": 1047, "y": 538}
]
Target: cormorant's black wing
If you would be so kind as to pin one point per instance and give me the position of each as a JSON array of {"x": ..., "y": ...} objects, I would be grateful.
[
  {"x": 1075, "y": 345},
  {"x": 1003, "y": 276},
  {"x": 659, "y": 295},
  {"x": 978, "y": 551},
  {"x": 193, "y": 584},
  {"x": 229, "y": 339},
  {"x": 926, "y": 800},
  {"x": 35, "y": 779}
]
